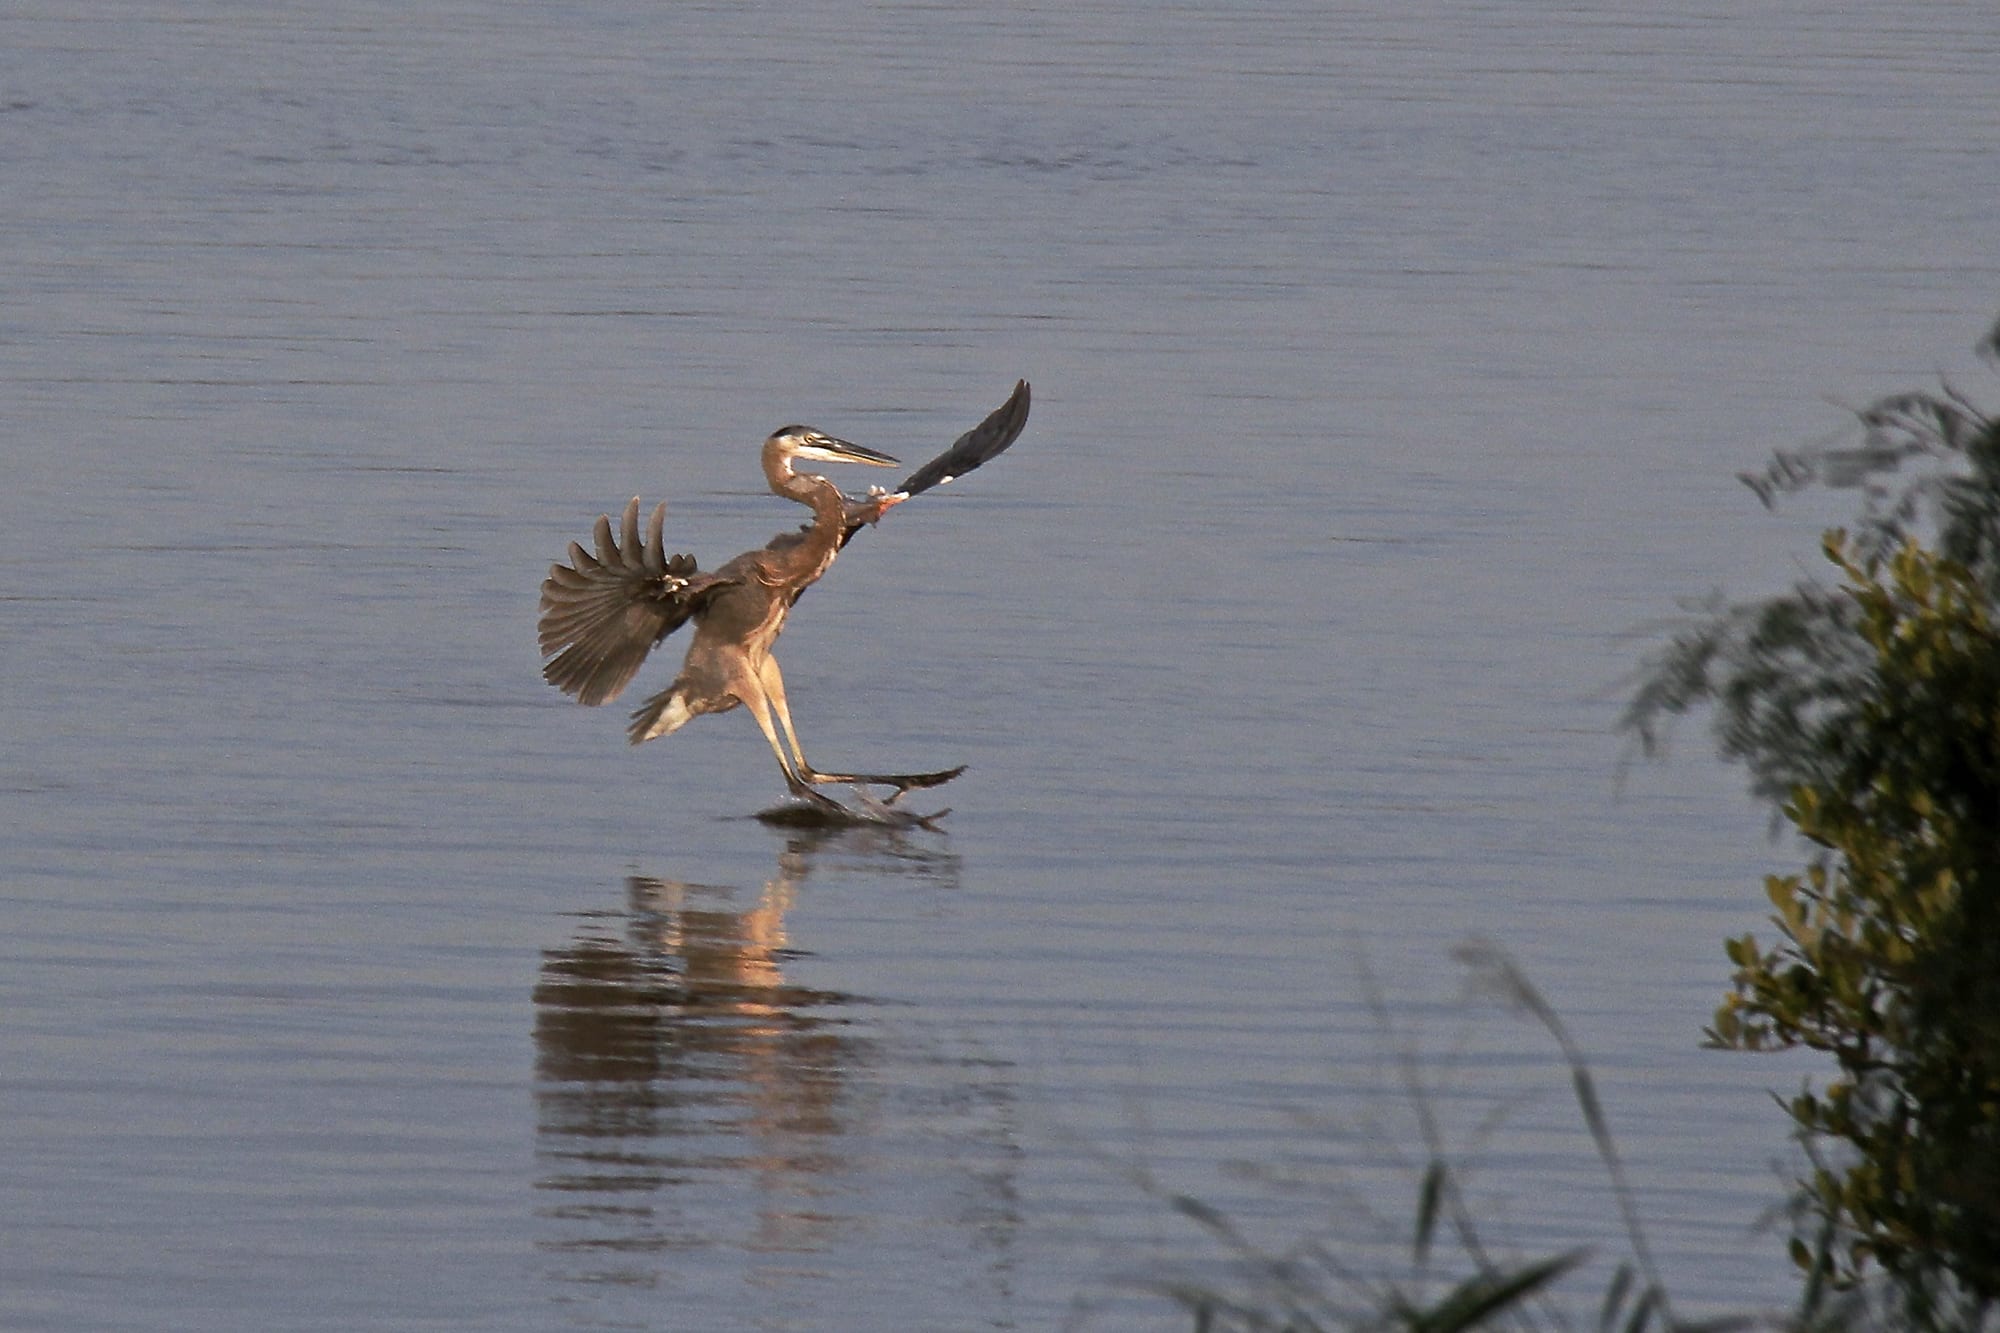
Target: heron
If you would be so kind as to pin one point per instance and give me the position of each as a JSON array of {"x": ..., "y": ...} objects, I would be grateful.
[{"x": 602, "y": 613}]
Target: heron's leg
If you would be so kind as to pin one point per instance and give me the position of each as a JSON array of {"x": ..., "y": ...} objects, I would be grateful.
[
  {"x": 751, "y": 691},
  {"x": 773, "y": 682}
]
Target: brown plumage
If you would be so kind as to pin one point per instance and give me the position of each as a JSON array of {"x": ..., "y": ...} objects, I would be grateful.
[{"x": 603, "y": 613}]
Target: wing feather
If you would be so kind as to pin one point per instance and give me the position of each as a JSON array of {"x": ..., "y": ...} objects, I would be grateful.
[
  {"x": 982, "y": 444},
  {"x": 654, "y": 548},
  {"x": 602, "y": 614}
]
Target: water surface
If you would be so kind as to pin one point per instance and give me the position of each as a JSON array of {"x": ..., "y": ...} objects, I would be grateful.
[{"x": 1390, "y": 364}]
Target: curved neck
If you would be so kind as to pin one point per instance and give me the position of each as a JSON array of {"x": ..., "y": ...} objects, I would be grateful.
[
  {"x": 806, "y": 561},
  {"x": 821, "y": 495}
]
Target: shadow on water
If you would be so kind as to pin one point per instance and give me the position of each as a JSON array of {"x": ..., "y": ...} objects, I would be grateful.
[{"x": 691, "y": 1096}]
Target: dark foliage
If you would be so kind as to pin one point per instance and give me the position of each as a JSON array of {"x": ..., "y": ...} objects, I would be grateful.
[{"x": 1869, "y": 714}]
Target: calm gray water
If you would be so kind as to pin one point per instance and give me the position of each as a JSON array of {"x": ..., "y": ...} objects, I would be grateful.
[{"x": 1391, "y": 361}]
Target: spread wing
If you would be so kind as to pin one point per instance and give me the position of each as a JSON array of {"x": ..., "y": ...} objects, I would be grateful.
[
  {"x": 982, "y": 444},
  {"x": 602, "y": 614}
]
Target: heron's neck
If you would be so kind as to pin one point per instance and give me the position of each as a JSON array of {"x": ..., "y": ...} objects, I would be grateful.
[
  {"x": 797, "y": 562},
  {"x": 816, "y": 492},
  {"x": 809, "y": 559}
]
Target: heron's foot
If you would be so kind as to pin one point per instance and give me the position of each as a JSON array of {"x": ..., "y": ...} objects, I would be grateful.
[
  {"x": 886, "y": 813},
  {"x": 902, "y": 782},
  {"x": 815, "y": 800},
  {"x": 814, "y": 810}
]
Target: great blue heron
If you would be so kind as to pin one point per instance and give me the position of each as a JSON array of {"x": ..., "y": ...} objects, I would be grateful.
[{"x": 602, "y": 614}]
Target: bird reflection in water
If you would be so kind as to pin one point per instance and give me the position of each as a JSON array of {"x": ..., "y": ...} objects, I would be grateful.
[{"x": 688, "y": 1094}]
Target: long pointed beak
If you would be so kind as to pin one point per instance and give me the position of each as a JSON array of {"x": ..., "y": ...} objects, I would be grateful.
[{"x": 828, "y": 449}]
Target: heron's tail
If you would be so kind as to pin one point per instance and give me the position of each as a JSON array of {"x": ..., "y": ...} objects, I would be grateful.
[{"x": 665, "y": 712}]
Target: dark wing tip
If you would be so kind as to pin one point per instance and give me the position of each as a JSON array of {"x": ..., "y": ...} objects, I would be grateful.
[{"x": 980, "y": 445}]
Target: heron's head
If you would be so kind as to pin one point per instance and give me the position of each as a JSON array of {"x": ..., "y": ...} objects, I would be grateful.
[{"x": 803, "y": 442}]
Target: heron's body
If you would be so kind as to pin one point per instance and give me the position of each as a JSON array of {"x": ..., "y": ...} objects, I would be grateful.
[
  {"x": 735, "y": 628},
  {"x": 602, "y": 614}
]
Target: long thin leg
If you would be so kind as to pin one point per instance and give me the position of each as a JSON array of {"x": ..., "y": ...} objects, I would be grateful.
[
  {"x": 773, "y": 681},
  {"x": 751, "y": 691},
  {"x": 873, "y": 811}
]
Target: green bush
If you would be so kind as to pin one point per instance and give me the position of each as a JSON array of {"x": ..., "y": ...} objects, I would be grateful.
[{"x": 1870, "y": 712}]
